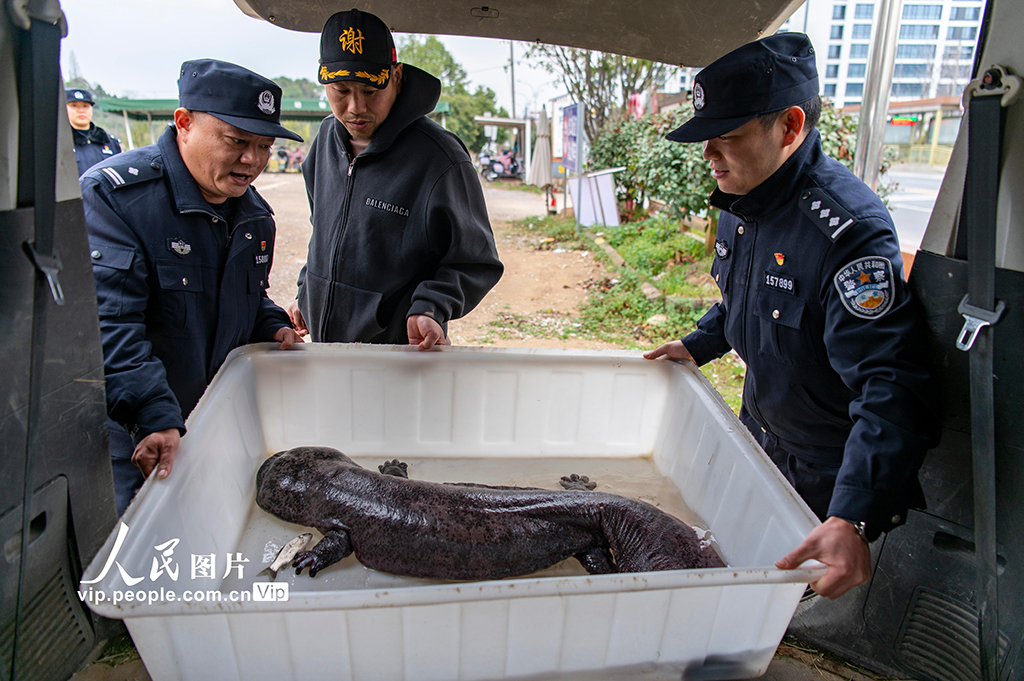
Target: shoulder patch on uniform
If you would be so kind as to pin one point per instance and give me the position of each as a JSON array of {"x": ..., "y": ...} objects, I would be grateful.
[
  {"x": 124, "y": 175},
  {"x": 866, "y": 286},
  {"x": 829, "y": 216}
]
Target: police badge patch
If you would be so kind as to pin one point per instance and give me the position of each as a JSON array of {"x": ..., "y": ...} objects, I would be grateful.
[
  {"x": 265, "y": 103},
  {"x": 722, "y": 249},
  {"x": 866, "y": 286},
  {"x": 698, "y": 97},
  {"x": 179, "y": 246}
]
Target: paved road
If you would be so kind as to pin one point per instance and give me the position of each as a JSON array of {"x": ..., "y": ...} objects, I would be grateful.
[{"x": 912, "y": 203}]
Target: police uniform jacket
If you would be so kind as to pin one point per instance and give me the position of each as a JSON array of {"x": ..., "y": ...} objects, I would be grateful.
[
  {"x": 814, "y": 302},
  {"x": 399, "y": 230},
  {"x": 92, "y": 146},
  {"x": 178, "y": 289}
]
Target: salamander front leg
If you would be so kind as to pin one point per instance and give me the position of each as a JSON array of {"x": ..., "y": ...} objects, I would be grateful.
[{"x": 333, "y": 547}]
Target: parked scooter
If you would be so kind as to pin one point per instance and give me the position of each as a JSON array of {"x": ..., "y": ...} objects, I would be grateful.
[{"x": 504, "y": 165}]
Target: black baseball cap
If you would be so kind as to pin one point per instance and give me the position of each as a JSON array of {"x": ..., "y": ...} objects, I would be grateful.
[
  {"x": 356, "y": 46},
  {"x": 233, "y": 94},
  {"x": 760, "y": 77},
  {"x": 78, "y": 95}
]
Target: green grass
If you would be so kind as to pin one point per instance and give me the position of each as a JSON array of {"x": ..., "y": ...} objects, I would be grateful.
[
  {"x": 616, "y": 310},
  {"x": 675, "y": 262},
  {"x": 118, "y": 651}
]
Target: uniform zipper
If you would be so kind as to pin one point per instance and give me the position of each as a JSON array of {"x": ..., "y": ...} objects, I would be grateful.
[
  {"x": 335, "y": 250},
  {"x": 752, "y": 407}
]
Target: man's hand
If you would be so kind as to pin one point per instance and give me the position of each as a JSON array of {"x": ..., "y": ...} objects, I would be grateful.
[
  {"x": 673, "y": 350},
  {"x": 287, "y": 337},
  {"x": 295, "y": 315},
  {"x": 424, "y": 332},
  {"x": 837, "y": 544},
  {"x": 157, "y": 450}
]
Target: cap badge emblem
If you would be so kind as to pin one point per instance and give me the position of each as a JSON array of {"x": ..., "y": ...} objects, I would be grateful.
[
  {"x": 79, "y": 95},
  {"x": 780, "y": 258},
  {"x": 266, "y": 102},
  {"x": 379, "y": 78},
  {"x": 180, "y": 247},
  {"x": 698, "y": 97},
  {"x": 351, "y": 40}
]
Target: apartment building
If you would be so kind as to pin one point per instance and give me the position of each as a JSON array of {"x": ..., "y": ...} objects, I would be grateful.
[{"x": 934, "y": 54}]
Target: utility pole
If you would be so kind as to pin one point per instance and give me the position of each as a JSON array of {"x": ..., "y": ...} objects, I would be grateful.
[{"x": 512, "y": 67}]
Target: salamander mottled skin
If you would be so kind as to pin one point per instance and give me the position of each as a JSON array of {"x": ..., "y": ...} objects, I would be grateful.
[{"x": 465, "y": 531}]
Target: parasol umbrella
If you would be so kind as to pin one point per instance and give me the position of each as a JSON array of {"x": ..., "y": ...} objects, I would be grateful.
[{"x": 540, "y": 167}]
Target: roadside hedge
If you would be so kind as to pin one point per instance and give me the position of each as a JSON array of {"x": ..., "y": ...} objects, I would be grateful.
[{"x": 677, "y": 175}]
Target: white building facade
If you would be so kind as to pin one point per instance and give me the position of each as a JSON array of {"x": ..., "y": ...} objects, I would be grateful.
[{"x": 934, "y": 54}]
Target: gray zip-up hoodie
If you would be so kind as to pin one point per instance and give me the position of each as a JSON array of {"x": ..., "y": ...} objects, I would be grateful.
[{"x": 399, "y": 230}]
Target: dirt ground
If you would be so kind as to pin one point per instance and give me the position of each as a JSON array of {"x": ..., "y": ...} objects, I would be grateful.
[{"x": 535, "y": 281}]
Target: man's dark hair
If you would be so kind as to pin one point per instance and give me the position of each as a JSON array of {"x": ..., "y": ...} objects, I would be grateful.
[{"x": 812, "y": 113}]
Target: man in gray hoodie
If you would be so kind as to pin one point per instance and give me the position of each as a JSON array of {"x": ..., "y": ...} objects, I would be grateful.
[{"x": 401, "y": 241}]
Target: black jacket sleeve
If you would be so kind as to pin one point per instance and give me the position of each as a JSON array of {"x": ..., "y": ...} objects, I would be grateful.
[{"x": 469, "y": 267}]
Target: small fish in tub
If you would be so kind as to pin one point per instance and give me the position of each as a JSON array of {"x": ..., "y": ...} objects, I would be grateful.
[
  {"x": 466, "y": 531},
  {"x": 286, "y": 555}
]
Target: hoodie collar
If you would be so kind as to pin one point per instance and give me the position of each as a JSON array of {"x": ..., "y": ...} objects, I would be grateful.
[
  {"x": 419, "y": 95},
  {"x": 185, "y": 190},
  {"x": 778, "y": 189}
]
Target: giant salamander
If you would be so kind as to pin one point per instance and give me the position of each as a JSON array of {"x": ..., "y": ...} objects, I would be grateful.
[{"x": 466, "y": 531}]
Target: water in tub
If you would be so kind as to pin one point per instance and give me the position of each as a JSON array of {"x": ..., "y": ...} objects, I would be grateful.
[{"x": 637, "y": 478}]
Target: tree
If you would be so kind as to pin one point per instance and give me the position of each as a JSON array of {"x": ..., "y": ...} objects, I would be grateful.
[
  {"x": 603, "y": 82},
  {"x": 430, "y": 54},
  {"x": 299, "y": 88}
]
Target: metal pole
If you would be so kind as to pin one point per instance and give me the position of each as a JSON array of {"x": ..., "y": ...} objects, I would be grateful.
[
  {"x": 128, "y": 129},
  {"x": 512, "y": 68},
  {"x": 875, "y": 105},
  {"x": 152, "y": 136},
  {"x": 579, "y": 165}
]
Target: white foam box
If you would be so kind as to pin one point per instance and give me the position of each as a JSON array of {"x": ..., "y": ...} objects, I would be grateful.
[{"x": 475, "y": 405}]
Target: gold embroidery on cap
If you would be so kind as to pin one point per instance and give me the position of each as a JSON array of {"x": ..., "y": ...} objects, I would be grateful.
[
  {"x": 351, "y": 41},
  {"x": 378, "y": 79},
  {"x": 327, "y": 75}
]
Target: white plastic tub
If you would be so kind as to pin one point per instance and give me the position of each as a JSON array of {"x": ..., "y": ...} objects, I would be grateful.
[{"x": 480, "y": 407}]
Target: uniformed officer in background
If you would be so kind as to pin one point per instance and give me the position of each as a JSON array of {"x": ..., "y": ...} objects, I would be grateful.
[
  {"x": 813, "y": 300},
  {"x": 181, "y": 248},
  {"x": 92, "y": 143}
]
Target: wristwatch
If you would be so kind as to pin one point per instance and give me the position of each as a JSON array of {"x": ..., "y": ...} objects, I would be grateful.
[{"x": 860, "y": 526}]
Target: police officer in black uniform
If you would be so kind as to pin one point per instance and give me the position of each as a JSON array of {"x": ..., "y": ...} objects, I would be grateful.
[
  {"x": 181, "y": 248},
  {"x": 92, "y": 143},
  {"x": 813, "y": 300}
]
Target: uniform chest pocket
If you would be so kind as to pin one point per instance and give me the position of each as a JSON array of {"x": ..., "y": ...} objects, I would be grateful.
[
  {"x": 720, "y": 269},
  {"x": 110, "y": 267},
  {"x": 174, "y": 277},
  {"x": 174, "y": 311},
  {"x": 785, "y": 335},
  {"x": 258, "y": 280}
]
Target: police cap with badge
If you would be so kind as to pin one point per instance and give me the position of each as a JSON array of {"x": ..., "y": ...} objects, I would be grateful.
[
  {"x": 78, "y": 95},
  {"x": 233, "y": 94},
  {"x": 760, "y": 77},
  {"x": 356, "y": 46}
]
